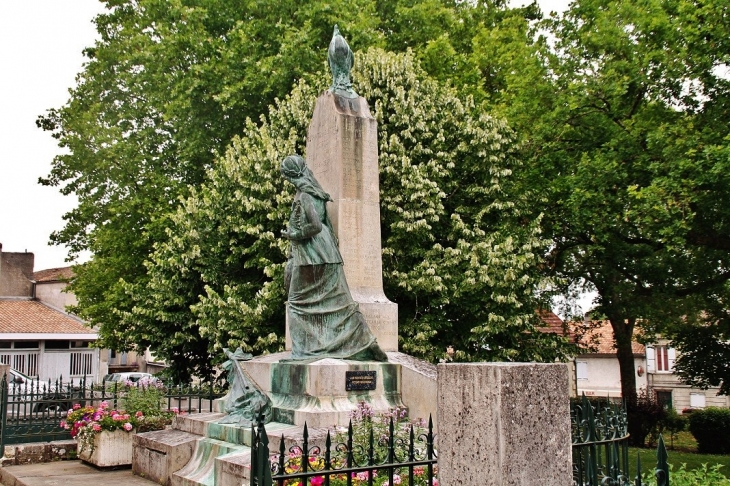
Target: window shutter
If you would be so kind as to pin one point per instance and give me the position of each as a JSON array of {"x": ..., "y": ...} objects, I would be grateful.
[
  {"x": 650, "y": 360},
  {"x": 671, "y": 355}
]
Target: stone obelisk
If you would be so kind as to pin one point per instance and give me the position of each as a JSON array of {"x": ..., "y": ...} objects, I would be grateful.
[{"x": 342, "y": 152}]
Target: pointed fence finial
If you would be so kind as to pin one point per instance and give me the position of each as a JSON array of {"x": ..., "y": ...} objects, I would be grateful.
[{"x": 341, "y": 60}]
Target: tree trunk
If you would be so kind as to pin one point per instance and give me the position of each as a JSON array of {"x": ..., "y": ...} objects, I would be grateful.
[{"x": 623, "y": 331}]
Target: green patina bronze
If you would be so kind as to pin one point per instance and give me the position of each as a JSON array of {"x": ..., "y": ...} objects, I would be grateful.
[
  {"x": 341, "y": 60},
  {"x": 245, "y": 402},
  {"x": 324, "y": 320}
]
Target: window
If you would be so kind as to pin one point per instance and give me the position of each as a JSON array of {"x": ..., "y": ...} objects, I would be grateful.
[
  {"x": 664, "y": 398},
  {"x": 660, "y": 359},
  {"x": 581, "y": 370},
  {"x": 26, "y": 345},
  {"x": 80, "y": 364},
  {"x": 55, "y": 345},
  {"x": 697, "y": 400}
]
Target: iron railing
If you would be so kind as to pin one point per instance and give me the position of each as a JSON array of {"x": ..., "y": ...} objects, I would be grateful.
[
  {"x": 32, "y": 411},
  {"x": 404, "y": 455},
  {"x": 601, "y": 447}
]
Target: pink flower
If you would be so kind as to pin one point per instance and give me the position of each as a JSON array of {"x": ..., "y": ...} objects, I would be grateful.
[
  {"x": 104, "y": 405},
  {"x": 96, "y": 427},
  {"x": 364, "y": 475},
  {"x": 138, "y": 414},
  {"x": 76, "y": 406},
  {"x": 317, "y": 481},
  {"x": 127, "y": 426},
  {"x": 64, "y": 425}
]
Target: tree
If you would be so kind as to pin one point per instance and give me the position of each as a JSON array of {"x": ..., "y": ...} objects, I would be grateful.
[
  {"x": 622, "y": 112},
  {"x": 457, "y": 259}
]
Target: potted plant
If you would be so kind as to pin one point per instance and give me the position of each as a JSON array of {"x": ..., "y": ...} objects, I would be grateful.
[{"x": 104, "y": 435}]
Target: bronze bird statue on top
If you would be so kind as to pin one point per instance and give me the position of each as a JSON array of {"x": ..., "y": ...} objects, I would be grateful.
[{"x": 341, "y": 60}]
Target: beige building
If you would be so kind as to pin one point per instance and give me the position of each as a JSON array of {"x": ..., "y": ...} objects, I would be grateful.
[
  {"x": 670, "y": 389},
  {"x": 597, "y": 374}
]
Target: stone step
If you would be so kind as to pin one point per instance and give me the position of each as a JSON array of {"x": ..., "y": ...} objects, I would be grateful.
[
  {"x": 233, "y": 469},
  {"x": 157, "y": 455},
  {"x": 206, "y": 465},
  {"x": 198, "y": 451}
]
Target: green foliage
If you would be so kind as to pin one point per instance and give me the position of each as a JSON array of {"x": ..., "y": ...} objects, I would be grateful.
[
  {"x": 703, "y": 476},
  {"x": 711, "y": 428},
  {"x": 677, "y": 459},
  {"x": 672, "y": 424},
  {"x": 705, "y": 351},
  {"x": 625, "y": 149},
  {"x": 144, "y": 397}
]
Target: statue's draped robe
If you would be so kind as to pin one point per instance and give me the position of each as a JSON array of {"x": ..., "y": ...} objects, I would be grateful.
[{"x": 324, "y": 321}]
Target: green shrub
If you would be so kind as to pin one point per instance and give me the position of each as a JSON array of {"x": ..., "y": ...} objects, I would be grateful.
[
  {"x": 671, "y": 425},
  {"x": 711, "y": 429},
  {"x": 696, "y": 477}
]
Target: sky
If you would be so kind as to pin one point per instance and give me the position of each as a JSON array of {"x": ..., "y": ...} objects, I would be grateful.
[{"x": 41, "y": 44}]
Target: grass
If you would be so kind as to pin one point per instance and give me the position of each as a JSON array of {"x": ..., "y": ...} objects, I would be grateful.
[{"x": 684, "y": 452}]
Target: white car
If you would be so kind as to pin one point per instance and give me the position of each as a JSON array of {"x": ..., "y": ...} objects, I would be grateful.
[
  {"x": 29, "y": 395},
  {"x": 133, "y": 377}
]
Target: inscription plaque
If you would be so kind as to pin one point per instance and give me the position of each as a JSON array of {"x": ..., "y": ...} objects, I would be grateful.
[{"x": 359, "y": 380}]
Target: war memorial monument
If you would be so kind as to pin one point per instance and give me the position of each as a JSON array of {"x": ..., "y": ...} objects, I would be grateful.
[{"x": 342, "y": 340}]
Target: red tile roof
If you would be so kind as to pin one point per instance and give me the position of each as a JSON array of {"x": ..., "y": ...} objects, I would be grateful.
[
  {"x": 595, "y": 337},
  {"x": 53, "y": 274},
  {"x": 32, "y": 316},
  {"x": 598, "y": 337},
  {"x": 552, "y": 323}
]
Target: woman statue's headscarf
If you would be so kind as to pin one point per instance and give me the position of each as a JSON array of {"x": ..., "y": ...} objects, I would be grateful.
[{"x": 294, "y": 168}]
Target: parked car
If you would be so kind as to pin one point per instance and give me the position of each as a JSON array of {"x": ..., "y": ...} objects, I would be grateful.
[
  {"x": 133, "y": 377},
  {"x": 30, "y": 395}
]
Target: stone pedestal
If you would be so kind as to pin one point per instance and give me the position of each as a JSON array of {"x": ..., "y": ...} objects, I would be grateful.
[
  {"x": 315, "y": 391},
  {"x": 504, "y": 424},
  {"x": 342, "y": 152}
]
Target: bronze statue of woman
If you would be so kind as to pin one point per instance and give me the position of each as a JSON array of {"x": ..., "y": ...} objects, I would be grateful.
[{"x": 324, "y": 321}]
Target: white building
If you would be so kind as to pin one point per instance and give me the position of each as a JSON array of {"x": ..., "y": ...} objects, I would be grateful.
[{"x": 37, "y": 336}]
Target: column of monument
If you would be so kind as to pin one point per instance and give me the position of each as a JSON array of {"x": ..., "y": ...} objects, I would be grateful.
[{"x": 342, "y": 152}]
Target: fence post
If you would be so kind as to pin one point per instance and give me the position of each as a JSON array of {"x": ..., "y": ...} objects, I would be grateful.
[
  {"x": 3, "y": 410},
  {"x": 260, "y": 469},
  {"x": 662, "y": 467}
]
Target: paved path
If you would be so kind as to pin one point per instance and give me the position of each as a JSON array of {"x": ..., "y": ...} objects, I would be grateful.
[{"x": 68, "y": 473}]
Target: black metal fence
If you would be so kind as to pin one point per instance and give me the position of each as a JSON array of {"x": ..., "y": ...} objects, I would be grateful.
[
  {"x": 32, "y": 411},
  {"x": 404, "y": 454},
  {"x": 601, "y": 447}
]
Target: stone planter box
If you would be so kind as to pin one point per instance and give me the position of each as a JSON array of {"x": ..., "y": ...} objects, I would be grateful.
[{"x": 111, "y": 448}]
